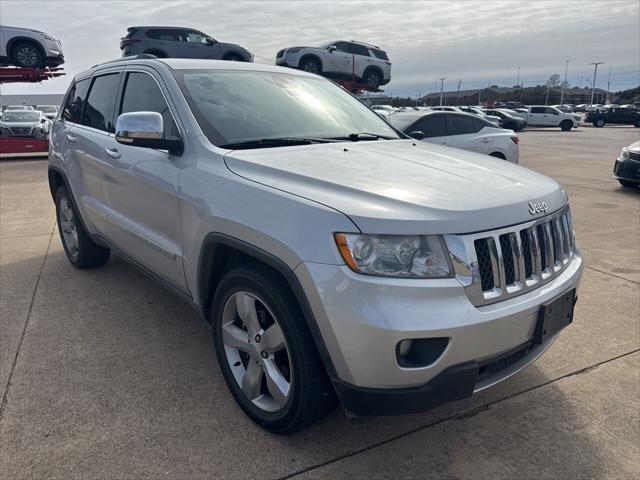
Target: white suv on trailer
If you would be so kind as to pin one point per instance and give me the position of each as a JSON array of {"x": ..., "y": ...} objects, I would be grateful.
[
  {"x": 28, "y": 48},
  {"x": 334, "y": 257},
  {"x": 341, "y": 60}
]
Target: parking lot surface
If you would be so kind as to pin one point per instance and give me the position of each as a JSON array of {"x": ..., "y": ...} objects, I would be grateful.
[{"x": 104, "y": 374}]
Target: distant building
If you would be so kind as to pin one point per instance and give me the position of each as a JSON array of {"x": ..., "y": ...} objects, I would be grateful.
[
  {"x": 528, "y": 95},
  {"x": 33, "y": 99}
]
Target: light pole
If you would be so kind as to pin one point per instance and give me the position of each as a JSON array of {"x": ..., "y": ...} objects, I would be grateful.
[
  {"x": 442, "y": 89},
  {"x": 518, "y": 82},
  {"x": 458, "y": 92},
  {"x": 593, "y": 85},
  {"x": 564, "y": 84},
  {"x": 606, "y": 100}
]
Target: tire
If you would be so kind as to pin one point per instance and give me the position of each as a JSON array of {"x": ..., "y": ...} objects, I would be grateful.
[
  {"x": 599, "y": 123},
  {"x": 372, "y": 78},
  {"x": 637, "y": 124},
  {"x": 628, "y": 184},
  {"x": 498, "y": 155},
  {"x": 234, "y": 58},
  {"x": 311, "y": 65},
  {"x": 306, "y": 395},
  {"x": 81, "y": 251},
  {"x": 566, "y": 125},
  {"x": 27, "y": 55}
]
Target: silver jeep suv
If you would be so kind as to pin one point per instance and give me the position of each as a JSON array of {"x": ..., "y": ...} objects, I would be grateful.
[{"x": 335, "y": 258}]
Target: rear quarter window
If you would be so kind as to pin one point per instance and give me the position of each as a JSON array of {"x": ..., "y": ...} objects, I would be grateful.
[{"x": 382, "y": 55}]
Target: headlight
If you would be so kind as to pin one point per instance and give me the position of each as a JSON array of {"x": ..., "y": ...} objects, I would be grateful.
[
  {"x": 405, "y": 256},
  {"x": 624, "y": 154},
  {"x": 293, "y": 50},
  {"x": 49, "y": 37}
]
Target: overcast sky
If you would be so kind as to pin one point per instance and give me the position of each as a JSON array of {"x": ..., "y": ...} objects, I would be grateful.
[{"x": 480, "y": 42}]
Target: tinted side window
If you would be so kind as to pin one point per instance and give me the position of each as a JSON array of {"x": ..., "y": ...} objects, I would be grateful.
[
  {"x": 552, "y": 111},
  {"x": 75, "y": 101},
  {"x": 538, "y": 110},
  {"x": 382, "y": 55},
  {"x": 479, "y": 124},
  {"x": 432, "y": 126},
  {"x": 358, "y": 50},
  {"x": 461, "y": 125},
  {"x": 166, "y": 34},
  {"x": 98, "y": 112},
  {"x": 342, "y": 46},
  {"x": 142, "y": 94}
]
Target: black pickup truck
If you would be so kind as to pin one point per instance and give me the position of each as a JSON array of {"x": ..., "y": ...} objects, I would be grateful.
[{"x": 615, "y": 115}]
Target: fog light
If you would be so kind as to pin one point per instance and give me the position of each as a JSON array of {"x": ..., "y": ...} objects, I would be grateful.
[
  {"x": 420, "y": 352},
  {"x": 404, "y": 346}
]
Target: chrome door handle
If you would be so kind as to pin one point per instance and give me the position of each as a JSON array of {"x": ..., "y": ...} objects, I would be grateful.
[
  {"x": 113, "y": 153},
  {"x": 71, "y": 138}
]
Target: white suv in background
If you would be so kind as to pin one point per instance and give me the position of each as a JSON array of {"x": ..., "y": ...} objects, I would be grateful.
[
  {"x": 542, "y": 116},
  {"x": 28, "y": 48},
  {"x": 341, "y": 60}
]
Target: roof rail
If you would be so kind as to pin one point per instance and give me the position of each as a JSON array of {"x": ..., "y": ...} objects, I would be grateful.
[
  {"x": 141, "y": 56},
  {"x": 366, "y": 44}
]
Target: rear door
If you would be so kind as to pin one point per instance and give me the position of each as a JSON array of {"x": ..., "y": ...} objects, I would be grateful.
[
  {"x": 360, "y": 58},
  {"x": 168, "y": 40},
  {"x": 465, "y": 133},
  {"x": 434, "y": 127},
  {"x": 89, "y": 141},
  {"x": 538, "y": 116},
  {"x": 142, "y": 198}
]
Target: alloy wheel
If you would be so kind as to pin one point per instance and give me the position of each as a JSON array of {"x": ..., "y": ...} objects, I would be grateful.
[
  {"x": 27, "y": 55},
  {"x": 68, "y": 227},
  {"x": 256, "y": 351}
]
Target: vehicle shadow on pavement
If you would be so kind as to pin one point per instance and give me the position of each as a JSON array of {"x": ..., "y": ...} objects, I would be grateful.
[{"x": 116, "y": 378}]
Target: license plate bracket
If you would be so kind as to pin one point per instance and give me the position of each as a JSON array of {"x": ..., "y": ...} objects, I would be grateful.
[{"x": 554, "y": 316}]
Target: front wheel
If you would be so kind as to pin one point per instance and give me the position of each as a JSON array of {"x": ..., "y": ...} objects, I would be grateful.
[
  {"x": 566, "y": 125},
  {"x": 27, "y": 55},
  {"x": 628, "y": 184},
  {"x": 599, "y": 123},
  {"x": 80, "y": 249},
  {"x": 267, "y": 356},
  {"x": 311, "y": 65}
]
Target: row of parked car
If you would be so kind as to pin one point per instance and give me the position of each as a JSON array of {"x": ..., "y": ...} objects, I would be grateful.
[{"x": 27, "y": 121}]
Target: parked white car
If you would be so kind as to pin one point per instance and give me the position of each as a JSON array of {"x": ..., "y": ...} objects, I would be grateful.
[
  {"x": 341, "y": 60},
  {"x": 18, "y": 107},
  {"x": 49, "y": 111},
  {"x": 460, "y": 130},
  {"x": 383, "y": 108},
  {"x": 27, "y": 48},
  {"x": 543, "y": 116}
]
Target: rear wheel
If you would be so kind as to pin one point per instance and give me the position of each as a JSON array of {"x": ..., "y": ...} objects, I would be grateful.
[
  {"x": 566, "y": 125},
  {"x": 628, "y": 184},
  {"x": 599, "y": 123},
  {"x": 266, "y": 353},
  {"x": 81, "y": 251},
  {"x": 27, "y": 55}
]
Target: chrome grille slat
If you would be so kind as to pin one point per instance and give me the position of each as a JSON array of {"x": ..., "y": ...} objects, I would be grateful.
[{"x": 506, "y": 262}]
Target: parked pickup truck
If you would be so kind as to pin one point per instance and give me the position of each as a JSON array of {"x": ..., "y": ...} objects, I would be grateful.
[
  {"x": 335, "y": 258},
  {"x": 615, "y": 115},
  {"x": 542, "y": 116}
]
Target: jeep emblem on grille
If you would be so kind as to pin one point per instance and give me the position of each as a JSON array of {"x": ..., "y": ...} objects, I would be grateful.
[{"x": 540, "y": 207}]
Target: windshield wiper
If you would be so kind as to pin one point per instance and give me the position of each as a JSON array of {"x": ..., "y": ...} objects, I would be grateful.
[
  {"x": 356, "y": 137},
  {"x": 273, "y": 142}
]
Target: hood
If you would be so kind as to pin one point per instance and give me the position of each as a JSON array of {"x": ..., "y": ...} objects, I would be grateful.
[
  {"x": 403, "y": 186},
  {"x": 634, "y": 147},
  {"x": 20, "y": 124}
]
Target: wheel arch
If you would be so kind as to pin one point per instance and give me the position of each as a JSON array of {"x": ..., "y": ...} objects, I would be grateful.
[
  {"x": 313, "y": 56},
  {"x": 220, "y": 252},
  {"x": 377, "y": 69},
  {"x": 14, "y": 40},
  {"x": 156, "y": 51}
]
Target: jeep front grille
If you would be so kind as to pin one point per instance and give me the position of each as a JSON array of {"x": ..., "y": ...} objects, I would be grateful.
[{"x": 507, "y": 262}]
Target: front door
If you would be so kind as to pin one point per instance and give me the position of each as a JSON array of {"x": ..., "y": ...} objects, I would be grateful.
[{"x": 434, "y": 127}]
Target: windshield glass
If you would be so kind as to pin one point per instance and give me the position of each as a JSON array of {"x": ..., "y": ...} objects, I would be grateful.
[
  {"x": 237, "y": 106},
  {"x": 20, "y": 116}
]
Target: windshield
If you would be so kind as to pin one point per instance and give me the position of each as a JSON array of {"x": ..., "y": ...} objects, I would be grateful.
[
  {"x": 237, "y": 106},
  {"x": 20, "y": 116}
]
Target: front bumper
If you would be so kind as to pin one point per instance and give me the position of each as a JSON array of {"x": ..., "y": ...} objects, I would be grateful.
[
  {"x": 626, "y": 170},
  {"x": 362, "y": 319}
]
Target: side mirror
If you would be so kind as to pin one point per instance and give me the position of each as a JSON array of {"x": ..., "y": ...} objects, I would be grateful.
[
  {"x": 210, "y": 41},
  {"x": 417, "y": 134},
  {"x": 145, "y": 129},
  {"x": 332, "y": 48},
  {"x": 43, "y": 120}
]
